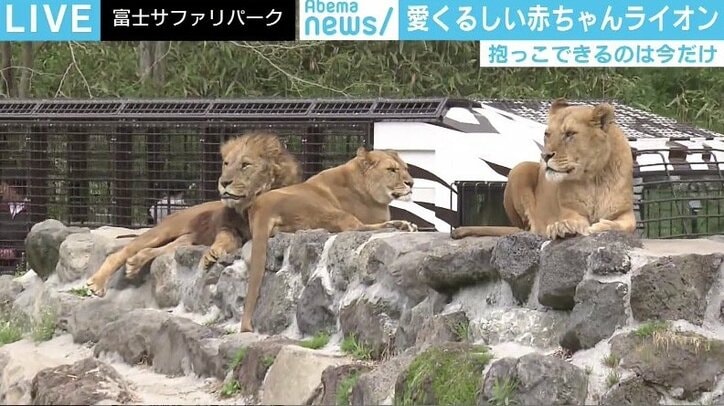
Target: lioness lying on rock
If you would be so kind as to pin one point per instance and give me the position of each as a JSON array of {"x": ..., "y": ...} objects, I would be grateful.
[
  {"x": 583, "y": 184},
  {"x": 354, "y": 196},
  {"x": 252, "y": 163}
]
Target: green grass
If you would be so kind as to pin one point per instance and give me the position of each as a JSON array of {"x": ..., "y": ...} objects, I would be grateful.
[
  {"x": 238, "y": 358},
  {"x": 230, "y": 389},
  {"x": 650, "y": 327},
  {"x": 318, "y": 341},
  {"x": 461, "y": 329},
  {"x": 345, "y": 388},
  {"x": 10, "y": 332},
  {"x": 82, "y": 291},
  {"x": 44, "y": 328},
  {"x": 613, "y": 378},
  {"x": 356, "y": 349},
  {"x": 611, "y": 360},
  {"x": 451, "y": 376},
  {"x": 503, "y": 391},
  {"x": 267, "y": 361}
]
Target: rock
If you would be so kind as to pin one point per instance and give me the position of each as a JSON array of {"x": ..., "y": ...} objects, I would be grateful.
[
  {"x": 721, "y": 311},
  {"x": 448, "y": 374},
  {"x": 305, "y": 251},
  {"x": 198, "y": 288},
  {"x": 61, "y": 304},
  {"x": 295, "y": 374},
  {"x": 231, "y": 289},
  {"x": 394, "y": 260},
  {"x": 599, "y": 311},
  {"x": 9, "y": 289},
  {"x": 563, "y": 263},
  {"x": 372, "y": 322},
  {"x": 444, "y": 328},
  {"x": 674, "y": 359},
  {"x": 342, "y": 256},
  {"x": 314, "y": 310},
  {"x": 609, "y": 260},
  {"x": 85, "y": 382},
  {"x": 453, "y": 264},
  {"x": 130, "y": 335},
  {"x": 254, "y": 362},
  {"x": 674, "y": 287},
  {"x": 43, "y": 243},
  {"x": 337, "y": 384},
  {"x": 516, "y": 257},
  {"x": 519, "y": 325},
  {"x": 164, "y": 281},
  {"x": 630, "y": 392},
  {"x": 377, "y": 386},
  {"x": 277, "y": 301},
  {"x": 73, "y": 256},
  {"x": 535, "y": 379},
  {"x": 184, "y": 347},
  {"x": 412, "y": 320}
]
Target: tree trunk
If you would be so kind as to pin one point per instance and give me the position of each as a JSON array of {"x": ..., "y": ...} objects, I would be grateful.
[
  {"x": 145, "y": 59},
  {"x": 7, "y": 84},
  {"x": 159, "y": 62},
  {"x": 26, "y": 59}
]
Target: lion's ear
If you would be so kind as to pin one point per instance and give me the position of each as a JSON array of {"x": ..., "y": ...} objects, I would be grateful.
[
  {"x": 558, "y": 104},
  {"x": 603, "y": 116},
  {"x": 362, "y": 152}
]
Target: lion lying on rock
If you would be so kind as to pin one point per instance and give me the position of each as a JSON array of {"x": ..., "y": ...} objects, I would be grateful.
[
  {"x": 583, "y": 184},
  {"x": 354, "y": 196},
  {"x": 252, "y": 164}
]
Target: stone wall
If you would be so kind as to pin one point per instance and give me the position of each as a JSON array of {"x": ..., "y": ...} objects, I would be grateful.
[{"x": 374, "y": 318}]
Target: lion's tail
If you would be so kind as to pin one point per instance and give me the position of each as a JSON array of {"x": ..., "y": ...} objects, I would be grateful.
[
  {"x": 261, "y": 232},
  {"x": 484, "y": 231}
]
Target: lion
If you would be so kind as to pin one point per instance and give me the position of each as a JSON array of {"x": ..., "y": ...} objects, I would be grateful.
[
  {"x": 354, "y": 196},
  {"x": 253, "y": 163},
  {"x": 582, "y": 185}
]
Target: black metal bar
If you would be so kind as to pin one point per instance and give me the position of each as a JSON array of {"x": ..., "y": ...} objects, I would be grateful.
[
  {"x": 123, "y": 165},
  {"x": 37, "y": 140},
  {"x": 77, "y": 155}
]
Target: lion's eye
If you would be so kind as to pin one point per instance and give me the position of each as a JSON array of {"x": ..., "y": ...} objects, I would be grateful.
[
  {"x": 392, "y": 169},
  {"x": 245, "y": 165},
  {"x": 226, "y": 163},
  {"x": 570, "y": 134},
  {"x": 547, "y": 134}
]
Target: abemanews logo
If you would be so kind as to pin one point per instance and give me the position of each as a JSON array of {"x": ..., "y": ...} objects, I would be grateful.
[{"x": 362, "y": 20}]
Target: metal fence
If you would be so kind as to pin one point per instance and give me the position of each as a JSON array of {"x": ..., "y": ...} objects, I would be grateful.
[{"x": 130, "y": 163}]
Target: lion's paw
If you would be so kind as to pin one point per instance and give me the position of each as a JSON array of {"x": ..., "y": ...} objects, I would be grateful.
[
  {"x": 98, "y": 288},
  {"x": 211, "y": 256},
  {"x": 133, "y": 267},
  {"x": 402, "y": 225},
  {"x": 457, "y": 233},
  {"x": 564, "y": 228},
  {"x": 601, "y": 226}
]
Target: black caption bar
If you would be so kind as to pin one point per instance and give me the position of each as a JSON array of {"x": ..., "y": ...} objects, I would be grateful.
[{"x": 215, "y": 20}]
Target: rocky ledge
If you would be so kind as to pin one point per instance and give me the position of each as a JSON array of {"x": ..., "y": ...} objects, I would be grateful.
[{"x": 370, "y": 318}]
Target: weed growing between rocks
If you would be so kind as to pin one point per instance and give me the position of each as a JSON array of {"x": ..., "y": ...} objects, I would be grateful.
[
  {"x": 82, "y": 292},
  {"x": 238, "y": 358},
  {"x": 612, "y": 378},
  {"x": 318, "y": 341},
  {"x": 44, "y": 328},
  {"x": 358, "y": 350},
  {"x": 230, "y": 389},
  {"x": 13, "y": 326},
  {"x": 267, "y": 361},
  {"x": 611, "y": 360},
  {"x": 345, "y": 388},
  {"x": 447, "y": 375},
  {"x": 461, "y": 329},
  {"x": 503, "y": 391},
  {"x": 650, "y": 327}
]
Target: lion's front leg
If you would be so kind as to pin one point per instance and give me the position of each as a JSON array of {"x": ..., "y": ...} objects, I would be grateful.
[
  {"x": 571, "y": 224},
  {"x": 625, "y": 222},
  {"x": 224, "y": 243}
]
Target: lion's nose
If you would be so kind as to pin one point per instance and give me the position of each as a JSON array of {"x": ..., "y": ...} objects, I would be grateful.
[
  {"x": 547, "y": 156},
  {"x": 409, "y": 183},
  {"x": 224, "y": 183}
]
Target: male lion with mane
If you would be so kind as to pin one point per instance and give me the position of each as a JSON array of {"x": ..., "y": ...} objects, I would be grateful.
[
  {"x": 583, "y": 184},
  {"x": 354, "y": 196},
  {"x": 253, "y": 163}
]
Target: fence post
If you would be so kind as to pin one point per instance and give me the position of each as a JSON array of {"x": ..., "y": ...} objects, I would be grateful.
[{"x": 122, "y": 190}]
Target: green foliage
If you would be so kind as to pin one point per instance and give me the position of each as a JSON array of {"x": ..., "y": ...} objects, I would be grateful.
[
  {"x": 318, "y": 341},
  {"x": 230, "y": 388},
  {"x": 372, "y": 69},
  {"x": 503, "y": 392},
  {"x": 44, "y": 328},
  {"x": 350, "y": 345},
  {"x": 10, "y": 332},
  {"x": 613, "y": 378},
  {"x": 650, "y": 327},
  {"x": 83, "y": 291},
  {"x": 345, "y": 388},
  {"x": 267, "y": 361},
  {"x": 611, "y": 360},
  {"x": 445, "y": 376},
  {"x": 238, "y": 358}
]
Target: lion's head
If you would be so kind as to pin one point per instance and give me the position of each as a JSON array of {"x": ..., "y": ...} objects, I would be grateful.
[
  {"x": 385, "y": 175},
  {"x": 254, "y": 163},
  {"x": 577, "y": 140}
]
